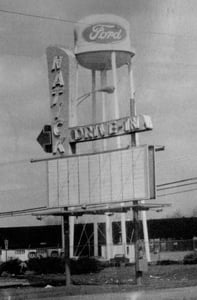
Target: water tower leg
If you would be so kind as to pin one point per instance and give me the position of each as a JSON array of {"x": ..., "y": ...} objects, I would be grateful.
[
  {"x": 146, "y": 238},
  {"x": 95, "y": 238},
  {"x": 103, "y": 84},
  {"x": 75, "y": 121},
  {"x": 123, "y": 233},
  {"x": 134, "y": 136},
  {"x": 108, "y": 236},
  {"x": 116, "y": 105},
  {"x": 93, "y": 104},
  {"x": 62, "y": 233},
  {"x": 71, "y": 235}
]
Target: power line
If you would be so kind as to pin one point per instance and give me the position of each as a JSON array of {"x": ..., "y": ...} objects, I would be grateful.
[
  {"x": 174, "y": 193},
  {"x": 158, "y": 186},
  {"x": 181, "y": 158},
  {"x": 162, "y": 186},
  {"x": 176, "y": 186},
  {"x": 24, "y": 188},
  {"x": 14, "y": 162},
  {"x": 36, "y": 16},
  {"x": 177, "y": 181},
  {"x": 12, "y": 12},
  {"x": 31, "y": 210},
  {"x": 166, "y": 187},
  {"x": 169, "y": 63}
]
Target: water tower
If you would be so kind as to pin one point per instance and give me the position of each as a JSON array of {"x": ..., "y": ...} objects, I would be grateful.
[{"x": 102, "y": 44}]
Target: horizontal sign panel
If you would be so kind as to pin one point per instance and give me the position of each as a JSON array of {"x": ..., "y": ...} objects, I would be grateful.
[
  {"x": 108, "y": 177},
  {"x": 109, "y": 129}
]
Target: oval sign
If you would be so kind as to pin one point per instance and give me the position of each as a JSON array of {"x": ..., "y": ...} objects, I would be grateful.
[{"x": 104, "y": 33}]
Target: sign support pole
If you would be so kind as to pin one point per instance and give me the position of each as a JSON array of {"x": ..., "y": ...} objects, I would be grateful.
[
  {"x": 66, "y": 249},
  {"x": 138, "y": 274},
  {"x": 134, "y": 142},
  {"x": 62, "y": 233}
]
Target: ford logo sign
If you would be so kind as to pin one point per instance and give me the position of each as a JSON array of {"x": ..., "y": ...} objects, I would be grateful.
[{"x": 104, "y": 33}]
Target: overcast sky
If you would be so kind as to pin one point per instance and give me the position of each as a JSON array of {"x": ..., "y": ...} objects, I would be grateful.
[{"x": 164, "y": 36}]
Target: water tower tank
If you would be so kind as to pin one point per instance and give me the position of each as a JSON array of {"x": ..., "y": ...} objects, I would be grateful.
[{"x": 97, "y": 36}]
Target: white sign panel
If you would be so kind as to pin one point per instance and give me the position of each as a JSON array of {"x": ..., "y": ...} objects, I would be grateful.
[{"x": 116, "y": 176}]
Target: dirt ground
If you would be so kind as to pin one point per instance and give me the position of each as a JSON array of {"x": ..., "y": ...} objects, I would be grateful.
[{"x": 120, "y": 278}]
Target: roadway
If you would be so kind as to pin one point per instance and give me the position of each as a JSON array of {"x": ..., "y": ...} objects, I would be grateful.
[{"x": 60, "y": 293}]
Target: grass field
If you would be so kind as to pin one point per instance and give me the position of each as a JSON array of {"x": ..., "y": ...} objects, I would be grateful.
[{"x": 159, "y": 278}]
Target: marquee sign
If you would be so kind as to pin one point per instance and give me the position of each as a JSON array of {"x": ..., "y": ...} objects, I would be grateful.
[
  {"x": 107, "y": 177},
  {"x": 109, "y": 129},
  {"x": 97, "y": 131}
]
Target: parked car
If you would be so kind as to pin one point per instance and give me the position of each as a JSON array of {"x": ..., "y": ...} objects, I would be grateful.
[
  {"x": 119, "y": 260},
  {"x": 85, "y": 264},
  {"x": 104, "y": 262},
  {"x": 190, "y": 259}
]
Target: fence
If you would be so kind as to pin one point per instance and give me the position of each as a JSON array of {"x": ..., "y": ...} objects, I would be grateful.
[
  {"x": 161, "y": 245},
  {"x": 159, "y": 249}
]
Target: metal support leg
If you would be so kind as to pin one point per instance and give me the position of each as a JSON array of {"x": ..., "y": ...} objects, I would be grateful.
[
  {"x": 138, "y": 273},
  {"x": 66, "y": 251}
]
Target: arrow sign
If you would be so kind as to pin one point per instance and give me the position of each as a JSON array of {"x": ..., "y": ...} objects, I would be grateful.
[{"x": 45, "y": 139}]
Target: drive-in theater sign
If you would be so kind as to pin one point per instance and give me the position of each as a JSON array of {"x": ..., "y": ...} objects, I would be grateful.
[
  {"x": 106, "y": 180},
  {"x": 109, "y": 176}
]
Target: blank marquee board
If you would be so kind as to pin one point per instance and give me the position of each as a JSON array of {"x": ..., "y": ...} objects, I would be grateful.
[{"x": 108, "y": 177}]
